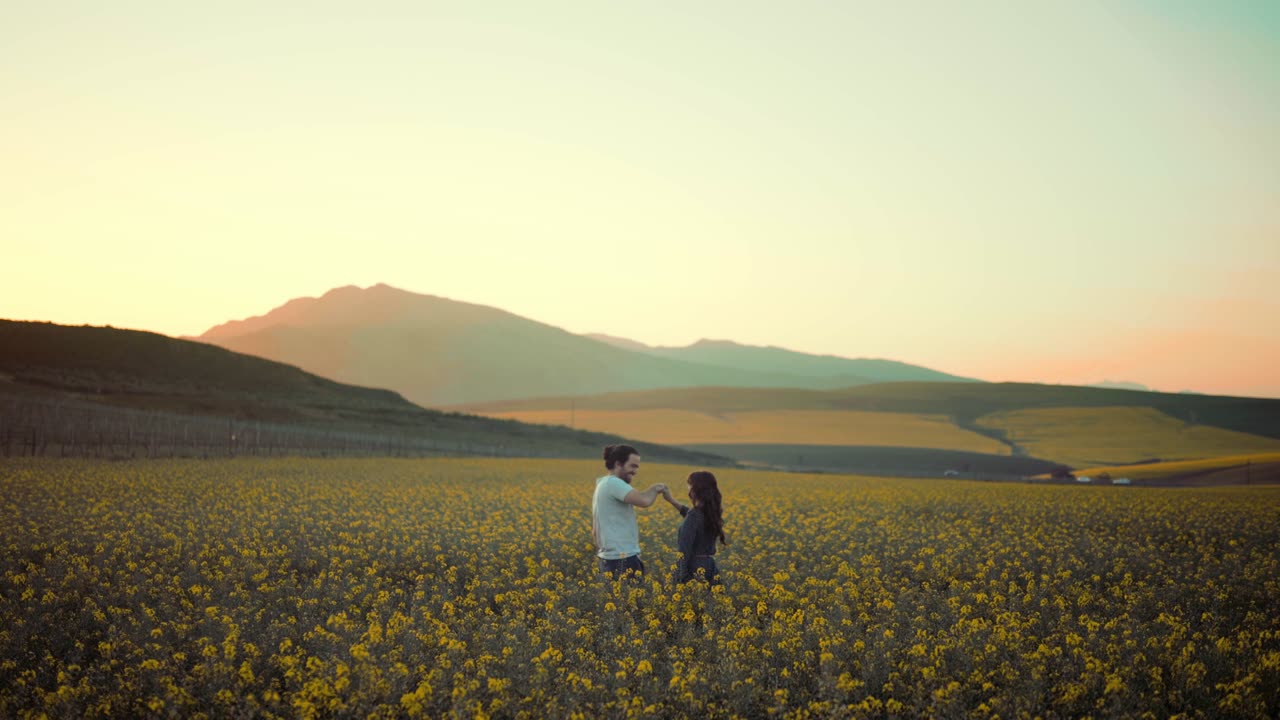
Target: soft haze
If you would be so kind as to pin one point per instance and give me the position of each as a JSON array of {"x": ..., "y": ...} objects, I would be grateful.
[{"x": 1054, "y": 194}]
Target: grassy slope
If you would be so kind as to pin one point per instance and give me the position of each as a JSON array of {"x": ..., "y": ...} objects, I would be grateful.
[
  {"x": 1091, "y": 436},
  {"x": 881, "y": 460},
  {"x": 1256, "y": 416},
  {"x": 962, "y": 401},
  {"x": 103, "y": 365},
  {"x": 710, "y": 399},
  {"x": 1147, "y": 471},
  {"x": 1072, "y": 424},
  {"x": 802, "y": 427}
]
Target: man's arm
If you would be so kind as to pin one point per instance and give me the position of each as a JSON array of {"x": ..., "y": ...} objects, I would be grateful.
[{"x": 644, "y": 498}]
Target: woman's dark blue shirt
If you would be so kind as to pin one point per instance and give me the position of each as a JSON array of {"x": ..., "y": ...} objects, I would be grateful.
[{"x": 696, "y": 544}]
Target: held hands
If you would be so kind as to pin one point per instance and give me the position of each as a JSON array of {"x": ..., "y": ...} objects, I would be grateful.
[
  {"x": 666, "y": 495},
  {"x": 665, "y": 492}
]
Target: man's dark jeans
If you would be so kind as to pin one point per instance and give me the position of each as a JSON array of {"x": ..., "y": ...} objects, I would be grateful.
[{"x": 621, "y": 566}]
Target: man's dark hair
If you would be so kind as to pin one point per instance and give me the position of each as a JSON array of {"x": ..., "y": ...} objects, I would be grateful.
[{"x": 615, "y": 454}]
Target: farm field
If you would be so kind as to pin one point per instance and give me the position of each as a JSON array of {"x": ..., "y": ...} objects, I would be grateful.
[
  {"x": 466, "y": 587},
  {"x": 1147, "y": 471},
  {"x": 1097, "y": 436},
  {"x": 884, "y": 461},
  {"x": 780, "y": 427}
]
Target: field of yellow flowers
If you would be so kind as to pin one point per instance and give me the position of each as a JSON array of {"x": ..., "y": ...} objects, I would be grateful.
[{"x": 452, "y": 588}]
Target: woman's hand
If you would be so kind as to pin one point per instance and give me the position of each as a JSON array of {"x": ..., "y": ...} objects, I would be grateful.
[{"x": 667, "y": 496}]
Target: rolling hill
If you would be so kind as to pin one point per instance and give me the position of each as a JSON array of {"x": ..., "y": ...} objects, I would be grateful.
[
  {"x": 1083, "y": 436},
  {"x": 436, "y": 351},
  {"x": 1227, "y": 470},
  {"x": 63, "y": 367},
  {"x": 800, "y": 427},
  {"x": 1059, "y": 424},
  {"x": 963, "y": 401}
]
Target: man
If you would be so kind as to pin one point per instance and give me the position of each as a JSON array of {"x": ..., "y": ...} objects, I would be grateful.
[{"x": 613, "y": 515}]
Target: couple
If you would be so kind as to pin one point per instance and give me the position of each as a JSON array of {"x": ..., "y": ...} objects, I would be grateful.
[{"x": 613, "y": 518}]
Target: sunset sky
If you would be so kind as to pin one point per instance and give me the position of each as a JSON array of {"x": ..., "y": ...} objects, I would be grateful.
[{"x": 1069, "y": 192}]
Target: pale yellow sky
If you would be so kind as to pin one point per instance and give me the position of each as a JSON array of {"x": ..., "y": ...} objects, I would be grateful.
[{"x": 1059, "y": 194}]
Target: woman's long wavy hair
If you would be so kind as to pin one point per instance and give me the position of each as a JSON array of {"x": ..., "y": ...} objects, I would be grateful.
[{"x": 706, "y": 494}]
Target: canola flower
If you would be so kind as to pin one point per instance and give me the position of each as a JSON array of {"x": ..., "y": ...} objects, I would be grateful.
[{"x": 452, "y": 588}]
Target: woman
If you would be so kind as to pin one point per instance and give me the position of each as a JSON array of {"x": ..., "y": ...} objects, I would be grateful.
[{"x": 702, "y": 525}]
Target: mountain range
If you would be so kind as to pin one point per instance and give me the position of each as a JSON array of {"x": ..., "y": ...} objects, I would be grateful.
[
  {"x": 436, "y": 351},
  {"x": 360, "y": 364},
  {"x": 770, "y": 359}
]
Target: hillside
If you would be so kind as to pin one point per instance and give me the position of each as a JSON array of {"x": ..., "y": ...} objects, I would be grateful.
[
  {"x": 1228, "y": 470},
  {"x": 800, "y": 427},
  {"x": 962, "y": 401},
  {"x": 1083, "y": 436},
  {"x": 883, "y": 460},
  {"x": 48, "y": 365},
  {"x": 436, "y": 351},
  {"x": 1061, "y": 424}
]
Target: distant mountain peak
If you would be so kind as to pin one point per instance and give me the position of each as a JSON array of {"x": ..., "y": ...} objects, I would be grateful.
[
  {"x": 712, "y": 342},
  {"x": 715, "y": 344},
  {"x": 783, "y": 361},
  {"x": 619, "y": 342},
  {"x": 1120, "y": 385},
  {"x": 436, "y": 351},
  {"x": 352, "y": 305},
  {"x": 378, "y": 290},
  {"x": 775, "y": 359}
]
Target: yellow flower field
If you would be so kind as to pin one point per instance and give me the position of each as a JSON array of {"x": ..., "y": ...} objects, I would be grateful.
[{"x": 467, "y": 588}]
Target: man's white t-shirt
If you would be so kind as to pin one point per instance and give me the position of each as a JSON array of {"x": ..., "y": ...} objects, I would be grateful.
[{"x": 614, "y": 521}]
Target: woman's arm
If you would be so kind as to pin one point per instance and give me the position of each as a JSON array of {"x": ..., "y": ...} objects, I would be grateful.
[{"x": 684, "y": 509}]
